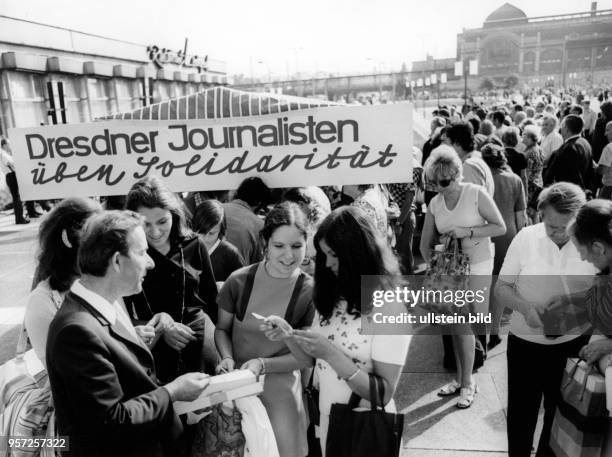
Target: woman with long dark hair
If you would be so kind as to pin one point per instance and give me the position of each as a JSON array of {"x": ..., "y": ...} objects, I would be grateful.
[
  {"x": 348, "y": 246},
  {"x": 57, "y": 267},
  {"x": 180, "y": 290}
]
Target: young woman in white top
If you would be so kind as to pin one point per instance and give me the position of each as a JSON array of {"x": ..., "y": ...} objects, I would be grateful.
[
  {"x": 467, "y": 212},
  {"x": 57, "y": 266}
]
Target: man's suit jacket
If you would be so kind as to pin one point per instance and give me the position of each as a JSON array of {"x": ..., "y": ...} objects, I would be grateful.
[
  {"x": 106, "y": 396},
  {"x": 572, "y": 162}
]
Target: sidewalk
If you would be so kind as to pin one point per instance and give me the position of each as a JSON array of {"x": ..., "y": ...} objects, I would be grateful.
[{"x": 433, "y": 426}]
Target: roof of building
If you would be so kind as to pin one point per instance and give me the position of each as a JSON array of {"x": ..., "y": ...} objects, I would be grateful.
[{"x": 506, "y": 12}]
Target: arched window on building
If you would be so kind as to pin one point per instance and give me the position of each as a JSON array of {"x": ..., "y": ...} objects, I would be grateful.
[
  {"x": 550, "y": 61},
  {"x": 529, "y": 59}
]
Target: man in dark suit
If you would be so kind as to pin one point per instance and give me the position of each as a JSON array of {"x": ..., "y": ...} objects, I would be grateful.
[
  {"x": 106, "y": 395},
  {"x": 573, "y": 161}
]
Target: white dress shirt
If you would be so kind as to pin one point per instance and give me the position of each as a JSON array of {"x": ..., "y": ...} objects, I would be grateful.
[
  {"x": 551, "y": 143},
  {"x": 532, "y": 255},
  {"x": 110, "y": 311}
]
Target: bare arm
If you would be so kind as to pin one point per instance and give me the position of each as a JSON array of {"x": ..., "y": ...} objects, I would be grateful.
[
  {"x": 223, "y": 339},
  {"x": 520, "y": 218},
  {"x": 488, "y": 210},
  {"x": 427, "y": 236},
  {"x": 360, "y": 384}
]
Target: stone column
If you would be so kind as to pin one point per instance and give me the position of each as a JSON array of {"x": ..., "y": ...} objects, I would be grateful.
[{"x": 538, "y": 50}]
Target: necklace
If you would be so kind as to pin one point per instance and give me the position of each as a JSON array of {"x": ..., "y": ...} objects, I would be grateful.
[{"x": 184, "y": 280}]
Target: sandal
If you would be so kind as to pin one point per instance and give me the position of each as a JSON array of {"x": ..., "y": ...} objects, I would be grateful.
[
  {"x": 466, "y": 397},
  {"x": 452, "y": 388}
]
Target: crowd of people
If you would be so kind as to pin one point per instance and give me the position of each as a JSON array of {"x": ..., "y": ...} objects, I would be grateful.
[{"x": 137, "y": 300}]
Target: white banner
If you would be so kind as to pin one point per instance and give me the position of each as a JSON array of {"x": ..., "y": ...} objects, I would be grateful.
[{"x": 322, "y": 146}]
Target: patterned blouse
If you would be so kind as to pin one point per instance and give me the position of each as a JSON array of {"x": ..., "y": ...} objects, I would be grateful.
[
  {"x": 344, "y": 331},
  {"x": 535, "y": 165}
]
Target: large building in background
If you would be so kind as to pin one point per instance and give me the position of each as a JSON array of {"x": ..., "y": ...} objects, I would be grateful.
[
  {"x": 54, "y": 75},
  {"x": 560, "y": 50}
]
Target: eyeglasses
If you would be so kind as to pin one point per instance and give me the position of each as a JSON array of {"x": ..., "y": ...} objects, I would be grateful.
[{"x": 443, "y": 182}]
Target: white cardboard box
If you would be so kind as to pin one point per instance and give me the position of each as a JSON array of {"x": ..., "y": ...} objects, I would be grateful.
[
  {"x": 229, "y": 381},
  {"x": 208, "y": 399}
]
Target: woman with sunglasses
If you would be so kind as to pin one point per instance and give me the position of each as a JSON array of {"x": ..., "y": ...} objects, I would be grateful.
[{"x": 467, "y": 212}]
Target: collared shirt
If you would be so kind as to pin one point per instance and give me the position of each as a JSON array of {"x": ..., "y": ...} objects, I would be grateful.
[
  {"x": 551, "y": 143},
  {"x": 110, "y": 311},
  {"x": 532, "y": 255},
  {"x": 589, "y": 118},
  {"x": 606, "y": 160}
]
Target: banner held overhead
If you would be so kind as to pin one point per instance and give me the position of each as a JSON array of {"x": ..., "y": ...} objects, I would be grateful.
[{"x": 321, "y": 146}]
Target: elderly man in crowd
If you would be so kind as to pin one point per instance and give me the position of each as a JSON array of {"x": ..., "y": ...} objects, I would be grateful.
[
  {"x": 573, "y": 161},
  {"x": 102, "y": 375},
  {"x": 551, "y": 138}
]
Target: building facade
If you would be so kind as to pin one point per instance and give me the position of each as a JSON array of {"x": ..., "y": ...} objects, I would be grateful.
[
  {"x": 54, "y": 75},
  {"x": 560, "y": 50}
]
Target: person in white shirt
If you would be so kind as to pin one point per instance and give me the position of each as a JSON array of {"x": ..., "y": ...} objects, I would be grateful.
[
  {"x": 589, "y": 117},
  {"x": 551, "y": 138},
  {"x": 541, "y": 262},
  {"x": 604, "y": 167}
]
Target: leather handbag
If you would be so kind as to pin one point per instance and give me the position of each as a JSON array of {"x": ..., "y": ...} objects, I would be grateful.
[
  {"x": 448, "y": 269},
  {"x": 219, "y": 433},
  {"x": 364, "y": 433}
]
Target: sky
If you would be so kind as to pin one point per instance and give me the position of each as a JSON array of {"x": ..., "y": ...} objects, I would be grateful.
[{"x": 278, "y": 37}]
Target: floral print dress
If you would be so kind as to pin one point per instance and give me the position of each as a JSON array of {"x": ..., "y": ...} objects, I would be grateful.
[{"x": 344, "y": 331}]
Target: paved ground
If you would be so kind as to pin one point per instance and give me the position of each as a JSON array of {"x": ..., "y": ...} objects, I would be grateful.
[{"x": 434, "y": 427}]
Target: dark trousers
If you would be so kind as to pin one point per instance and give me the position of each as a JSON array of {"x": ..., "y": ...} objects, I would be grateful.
[
  {"x": 403, "y": 244},
  {"x": 535, "y": 370},
  {"x": 170, "y": 363},
  {"x": 11, "y": 182}
]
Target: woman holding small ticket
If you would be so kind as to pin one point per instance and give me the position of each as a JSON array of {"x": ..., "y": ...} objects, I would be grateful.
[
  {"x": 275, "y": 286},
  {"x": 348, "y": 245}
]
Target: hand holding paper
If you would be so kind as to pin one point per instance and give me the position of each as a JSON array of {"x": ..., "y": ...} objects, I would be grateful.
[
  {"x": 187, "y": 387},
  {"x": 275, "y": 327}
]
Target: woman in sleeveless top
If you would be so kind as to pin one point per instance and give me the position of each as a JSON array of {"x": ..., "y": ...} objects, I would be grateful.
[
  {"x": 464, "y": 211},
  {"x": 275, "y": 286}
]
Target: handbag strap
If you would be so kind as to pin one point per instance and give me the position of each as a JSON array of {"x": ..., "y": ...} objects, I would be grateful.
[
  {"x": 571, "y": 374},
  {"x": 376, "y": 387},
  {"x": 246, "y": 292},
  {"x": 311, "y": 380},
  {"x": 381, "y": 391}
]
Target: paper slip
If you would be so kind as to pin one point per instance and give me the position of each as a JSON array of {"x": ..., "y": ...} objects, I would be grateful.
[
  {"x": 229, "y": 381},
  {"x": 204, "y": 401}
]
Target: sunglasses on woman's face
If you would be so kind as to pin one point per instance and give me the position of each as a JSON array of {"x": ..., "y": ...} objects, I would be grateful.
[{"x": 443, "y": 182}]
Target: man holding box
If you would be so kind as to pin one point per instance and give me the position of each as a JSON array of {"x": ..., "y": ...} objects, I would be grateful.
[{"x": 107, "y": 399}]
